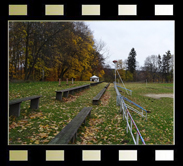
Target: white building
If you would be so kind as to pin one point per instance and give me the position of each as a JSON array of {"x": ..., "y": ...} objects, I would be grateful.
[{"x": 94, "y": 78}]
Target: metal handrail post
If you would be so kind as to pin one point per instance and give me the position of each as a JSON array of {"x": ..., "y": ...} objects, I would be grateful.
[
  {"x": 123, "y": 112},
  {"x": 127, "y": 123},
  {"x": 137, "y": 139},
  {"x": 120, "y": 108}
]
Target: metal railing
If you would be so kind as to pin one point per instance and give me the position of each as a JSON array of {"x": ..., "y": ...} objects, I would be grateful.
[
  {"x": 125, "y": 89},
  {"x": 136, "y": 111},
  {"x": 141, "y": 113},
  {"x": 133, "y": 109},
  {"x": 127, "y": 114}
]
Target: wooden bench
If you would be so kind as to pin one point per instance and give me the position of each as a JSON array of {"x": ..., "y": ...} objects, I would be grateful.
[
  {"x": 107, "y": 85},
  {"x": 69, "y": 132},
  {"x": 95, "y": 83},
  {"x": 65, "y": 92},
  {"x": 79, "y": 88},
  {"x": 14, "y": 105},
  {"x": 98, "y": 96}
]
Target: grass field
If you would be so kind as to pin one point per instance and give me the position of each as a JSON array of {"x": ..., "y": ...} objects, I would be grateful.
[{"x": 105, "y": 126}]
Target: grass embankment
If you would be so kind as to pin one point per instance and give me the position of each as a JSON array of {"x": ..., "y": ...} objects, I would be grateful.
[{"x": 105, "y": 126}]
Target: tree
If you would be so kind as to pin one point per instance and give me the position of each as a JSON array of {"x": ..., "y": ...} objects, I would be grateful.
[
  {"x": 121, "y": 69},
  {"x": 166, "y": 65},
  {"x": 60, "y": 49},
  {"x": 128, "y": 76},
  {"x": 151, "y": 66},
  {"x": 171, "y": 67},
  {"x": 109, "y": 74},
  {"x": 159, "y": 67},
  {"x": 16, "y": 46},
  {"x": 131, "y": 62}
]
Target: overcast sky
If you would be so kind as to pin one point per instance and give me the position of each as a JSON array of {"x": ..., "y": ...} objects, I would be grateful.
[{"x": 147, "y": 37}]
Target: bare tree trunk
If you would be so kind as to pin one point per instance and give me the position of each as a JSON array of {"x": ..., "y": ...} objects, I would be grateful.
[
  {"x": 18, "y": 63},
  {"x": 37, "y": 53},
  {"x": 63, "y": 72},
  {"x": 26, "y": 52}
]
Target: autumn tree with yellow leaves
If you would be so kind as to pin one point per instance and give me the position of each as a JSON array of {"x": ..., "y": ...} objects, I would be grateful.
[{"x": 57, "y": 49}]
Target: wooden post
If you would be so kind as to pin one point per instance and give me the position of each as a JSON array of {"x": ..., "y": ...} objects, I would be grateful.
[
  {"x": 72, "y": 80},
  {"x": 59, "y": 82},
  {"x": 67, "y": 81},
  {"x": 43, "y": 74}
]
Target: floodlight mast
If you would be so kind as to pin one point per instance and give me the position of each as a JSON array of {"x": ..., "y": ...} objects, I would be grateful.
[{"x": 115, "y": 62}]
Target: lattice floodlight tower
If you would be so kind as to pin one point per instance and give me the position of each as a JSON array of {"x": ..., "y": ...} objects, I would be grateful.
[
  {"x": 118, "y": 94},
  {"x": 115, "y": 62}
]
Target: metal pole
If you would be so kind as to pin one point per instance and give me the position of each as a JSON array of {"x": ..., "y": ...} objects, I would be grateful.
[
  {"x": 122, "y": 81},
  {"x": 131, "y": 126},
  {"x": 127, "y": 123},
  {"x": 115, "y": 73},
  {"x": 123, "y": 110},
  {"x": 137, "y": 139},
  {"x": 120, "y": 109}
]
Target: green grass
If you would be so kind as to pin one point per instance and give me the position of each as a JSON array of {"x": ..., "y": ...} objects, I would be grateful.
[
  {"x": 159, "y": 124},
  {"x": 105, "y": 126}
]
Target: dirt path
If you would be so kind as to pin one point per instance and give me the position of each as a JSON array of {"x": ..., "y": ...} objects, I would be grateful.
[{"x": 158, "y": 96}]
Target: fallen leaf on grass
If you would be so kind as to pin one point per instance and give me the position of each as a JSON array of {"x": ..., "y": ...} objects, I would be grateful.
[
  {"x": 43, "y": 135},
  {"x": 147, "y": 139},
  {"x": 34, "y": 115},
  {"x": 36, "y": 142},
  {"x": 45, "y": 140},
  {"x": 13, "y": 125},
  {"x": 143, "y": 130},
  {"x": 105, "y": 98},
  {"x": 56, "y": 133}
]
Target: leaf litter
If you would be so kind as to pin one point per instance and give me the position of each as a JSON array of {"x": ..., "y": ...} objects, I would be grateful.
[
  {"x": 90, "y": 134},
  {"x": 109, "y": 130}
]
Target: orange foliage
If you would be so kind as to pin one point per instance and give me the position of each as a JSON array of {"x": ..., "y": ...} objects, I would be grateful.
[{"x": 53, "y": 76}]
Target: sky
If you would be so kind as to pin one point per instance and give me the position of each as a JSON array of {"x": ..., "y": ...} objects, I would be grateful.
[{"x": 146, "y": 37}]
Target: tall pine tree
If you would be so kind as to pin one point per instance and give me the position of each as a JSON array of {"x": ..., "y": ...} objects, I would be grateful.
[
  {"x": 131, "y": 61},
  {"x": 166, "y": 65}
]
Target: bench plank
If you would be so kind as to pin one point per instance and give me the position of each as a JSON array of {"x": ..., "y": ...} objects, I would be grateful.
[
  {"x": 107, "y": 85},
  {"x": 69, "y": 131},
  {"x": 98, "y": 96},
  {"x": 14, "y": 105},
  {"x": 23, "y": 99},
  {"x": 95, "y": 83},
  {"x": 65, "y": 92}
]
